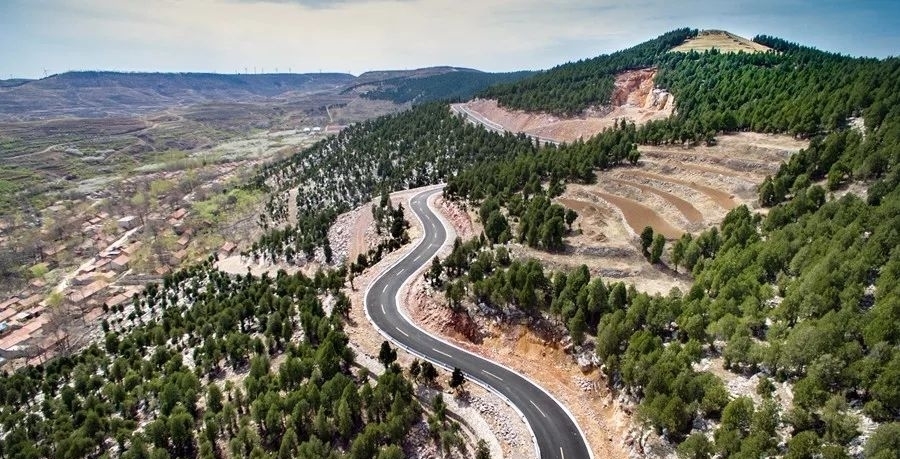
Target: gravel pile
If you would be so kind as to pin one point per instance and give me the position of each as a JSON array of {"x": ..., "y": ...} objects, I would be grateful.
[
  {"x": 339, "y": 236},
  {"x": 418, "y": 443},
  {"x": 503, "y": 427}
]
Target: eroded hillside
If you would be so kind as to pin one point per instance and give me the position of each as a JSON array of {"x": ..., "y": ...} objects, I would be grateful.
[{"x": 634, "y": 98}]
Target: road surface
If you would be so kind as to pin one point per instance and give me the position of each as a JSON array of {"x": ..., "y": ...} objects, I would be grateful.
[
  {"x": 556, "y": 433},
  {"x": 478, "y": 118}
]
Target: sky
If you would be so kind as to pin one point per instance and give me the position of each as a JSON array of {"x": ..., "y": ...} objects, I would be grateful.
[{"x": 355, "y": 36}]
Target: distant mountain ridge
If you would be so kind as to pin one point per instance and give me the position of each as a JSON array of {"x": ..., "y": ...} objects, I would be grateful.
[
  {"x": 97, "y": 94},
  {"x": 94, "y": 94},
  {"x": 455, "y": 85}
]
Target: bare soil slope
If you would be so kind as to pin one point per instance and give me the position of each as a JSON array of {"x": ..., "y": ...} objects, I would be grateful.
[
  {"x": 721, "y": 40},
  {"x": 634, "y": 98}
]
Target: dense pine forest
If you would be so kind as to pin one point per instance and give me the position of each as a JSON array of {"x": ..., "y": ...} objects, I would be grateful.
[
  {"x": 422, "y": 146},
  {"x": 455, "y": 86},
  {"x": 166, "y": 385},
  {"x": 570, "y": 88},
  {"x": 805, "y": 295}
]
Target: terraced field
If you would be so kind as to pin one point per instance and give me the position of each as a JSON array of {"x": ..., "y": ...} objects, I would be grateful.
[{"x": 672, "y": 189}]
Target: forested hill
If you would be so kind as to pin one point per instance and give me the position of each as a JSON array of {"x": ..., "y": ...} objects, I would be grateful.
[
  {"x": 570, "y": 88},
  {"x": 797, "y": 90},
  {"x": 422, "y": 146},
  {"x": 461, "y": 84},
  {"x": 805, "y": 295},
  {"x": 800, "y": 91}
]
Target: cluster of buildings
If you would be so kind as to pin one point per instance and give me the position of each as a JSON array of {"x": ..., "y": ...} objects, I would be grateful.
[{"x": 98, "y": 285}]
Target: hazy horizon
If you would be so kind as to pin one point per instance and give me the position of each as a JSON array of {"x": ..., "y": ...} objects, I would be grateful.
[{"x": 355, "y": 36}]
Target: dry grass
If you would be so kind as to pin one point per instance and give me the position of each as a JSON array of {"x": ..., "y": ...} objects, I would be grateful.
[{"x": 723, "y": 41}]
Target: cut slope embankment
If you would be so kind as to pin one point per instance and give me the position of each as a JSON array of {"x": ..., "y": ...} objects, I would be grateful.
[{"x": 634, "y": 98}]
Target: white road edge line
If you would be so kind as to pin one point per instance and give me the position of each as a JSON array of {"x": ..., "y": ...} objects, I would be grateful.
[{"x": 445, "y": 243}]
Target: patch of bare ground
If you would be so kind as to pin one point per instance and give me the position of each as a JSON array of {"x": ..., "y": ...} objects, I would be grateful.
[
  {"x": 634, "y": 98},
  {"x": 639, "y": 215},
  {"x": 722, "y": 41},
  {"x": 674, "y": 190},
  {"x": 723, "y": 198},
  {"x": 462, "y": 220},
  {"x": 358, "y": 109}
]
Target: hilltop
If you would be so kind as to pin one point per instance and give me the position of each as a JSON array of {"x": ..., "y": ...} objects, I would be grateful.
[{"x": 722, "y": 41}]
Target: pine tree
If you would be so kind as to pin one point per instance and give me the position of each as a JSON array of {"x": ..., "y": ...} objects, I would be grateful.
[
  {"x": 457, "y": 379},
  {"x": 387, "y": 355},
  {"x": 656, "y": 251},
  {"x": 646, "y": 240}
]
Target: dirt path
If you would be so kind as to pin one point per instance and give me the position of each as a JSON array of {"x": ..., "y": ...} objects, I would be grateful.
[
  {"x": 640, "y": 216},
  {"x": 358, "y": 242},
  {"x": 292, "y": 205},
  {"x": 689, "y": 211},
  {"x": 720, "y": 197}
]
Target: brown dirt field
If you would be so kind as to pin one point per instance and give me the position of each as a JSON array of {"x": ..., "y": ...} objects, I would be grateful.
[
  {"x": 634, "y": 98},
  {"x": 675, "y": 190},
  {"x": 724, "y": 199},
  {"x": 606, "y": 245},
  {"x": 764, "y": 166},
  {"x": 689, "y": 211},
  {"x": 589, "y": 212},
  {"x": 750, "y": 177},
  {"x": 639, "y": 216},
  {"x": 721, "y": 40}
]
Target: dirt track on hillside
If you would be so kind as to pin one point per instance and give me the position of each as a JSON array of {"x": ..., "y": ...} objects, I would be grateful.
[{"x": 672, "y": 189}]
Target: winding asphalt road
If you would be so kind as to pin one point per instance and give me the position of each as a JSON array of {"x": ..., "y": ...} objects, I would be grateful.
[{"x": 556, "y": 432}]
